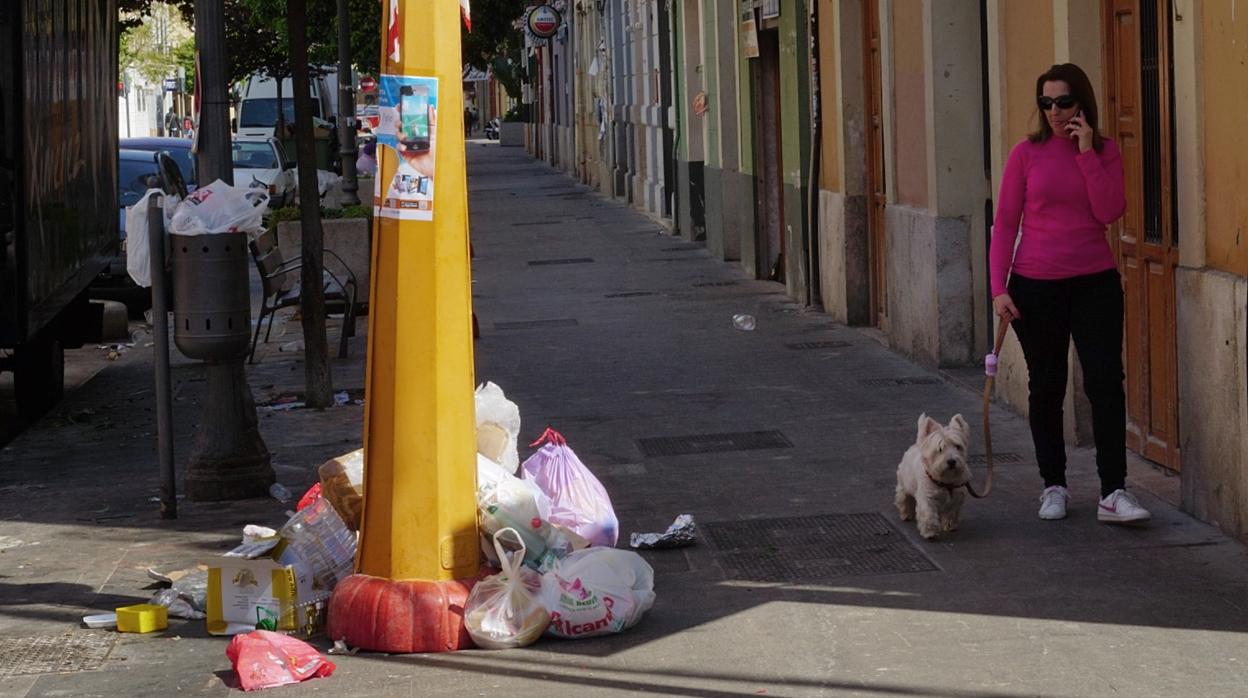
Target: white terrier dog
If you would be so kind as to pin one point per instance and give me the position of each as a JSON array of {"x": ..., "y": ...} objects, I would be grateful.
[{"x": 932, "y": 475}]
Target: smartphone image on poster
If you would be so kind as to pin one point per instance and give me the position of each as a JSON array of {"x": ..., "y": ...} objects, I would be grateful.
[{"x": 414, "y": 118}]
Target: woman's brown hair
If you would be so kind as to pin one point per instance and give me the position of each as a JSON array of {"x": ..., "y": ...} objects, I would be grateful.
[{"x": 1080, "y": 89}]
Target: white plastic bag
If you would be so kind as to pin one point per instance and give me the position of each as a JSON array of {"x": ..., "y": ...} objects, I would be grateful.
[
  {"x": 597, "y": 591},
  {"x": 138, "y": 249},
  {"x": 494, "y": 412},
  {"x": 220, "y": 208},
  {"x": 504, "y": 610}
]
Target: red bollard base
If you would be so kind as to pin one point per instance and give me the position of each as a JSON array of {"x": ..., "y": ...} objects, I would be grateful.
[{"x": 400, "y": 617}]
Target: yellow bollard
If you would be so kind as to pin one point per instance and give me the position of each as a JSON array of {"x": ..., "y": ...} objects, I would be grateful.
[{"x": 419, "y": 530}]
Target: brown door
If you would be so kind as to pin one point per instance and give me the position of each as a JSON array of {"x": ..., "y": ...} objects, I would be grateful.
[
  {"x": 1138, "y": 115},
  {"x": 768, "y": 167},
  {"x": 877, "y": 198}
]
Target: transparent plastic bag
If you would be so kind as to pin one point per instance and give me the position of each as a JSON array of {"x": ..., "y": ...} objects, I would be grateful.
[
  {"x": 504, "y": 610},
  {"x": 498, "y": 427},
  {"x": 264, "y": 659},
  {"x": 578, "y": 501},
  {"x": 220, "y": 208}
]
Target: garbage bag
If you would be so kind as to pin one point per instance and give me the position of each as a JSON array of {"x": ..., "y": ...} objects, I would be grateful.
[
  {"x": 138, "y": 249},
  {"x": 220, "y": 208},
  {"x": 342, "y": 484},
  {"x": 504, "y": 610},
  {"x": 264, "y": 659},
  {"x": 506, "y": 501},
  {"x": 597, "y": 591},
  {"x": 578, "y": 500},
  {"x": 498, "y": 427}
]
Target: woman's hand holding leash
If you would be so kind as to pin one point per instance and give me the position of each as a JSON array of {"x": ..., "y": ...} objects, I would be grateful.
[{"x": 1003, "y": 306}]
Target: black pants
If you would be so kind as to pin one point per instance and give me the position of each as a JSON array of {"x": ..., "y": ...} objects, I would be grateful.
[{"x": 1089, "y": 309}]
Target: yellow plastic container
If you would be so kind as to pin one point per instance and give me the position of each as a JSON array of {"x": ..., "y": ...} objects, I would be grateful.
[{"x": 142, "y": 618}]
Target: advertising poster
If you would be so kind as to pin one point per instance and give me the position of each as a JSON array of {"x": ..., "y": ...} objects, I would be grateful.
[{"x": 407, "y": 127}]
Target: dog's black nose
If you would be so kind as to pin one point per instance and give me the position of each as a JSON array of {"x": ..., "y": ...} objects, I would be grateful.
[{"x": 951, "y": 464}]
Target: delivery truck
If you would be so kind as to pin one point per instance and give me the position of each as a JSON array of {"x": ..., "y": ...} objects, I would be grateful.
[{"x": 58, "y": 184}]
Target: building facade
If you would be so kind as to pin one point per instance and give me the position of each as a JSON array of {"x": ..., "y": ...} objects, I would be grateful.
[{"x": 853, "y": 149}]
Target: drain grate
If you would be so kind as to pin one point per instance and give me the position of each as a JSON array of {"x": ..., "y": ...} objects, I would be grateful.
[
  {"x": 631, "y": 294},
  {"x": 709, "y": 284},
  {"x": 889, "y": 382},
  {"x": 569, "y": 260},
  {"x": 813, "y": 548},
  {"x": 683, "y": 248},
  {"x": 712, "y": 443},
  {"x": 831, "y": 344},
  {"x": 534, "y": 324},
  {"x": 55, "y": 654},
  {"x": 982, "y": 459}
]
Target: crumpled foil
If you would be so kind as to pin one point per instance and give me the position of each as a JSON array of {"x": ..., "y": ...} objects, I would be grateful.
[{"x": 682, "y": 532}]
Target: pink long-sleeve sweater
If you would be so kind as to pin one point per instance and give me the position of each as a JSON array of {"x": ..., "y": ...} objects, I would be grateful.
[{"x": 1065, "y": 200}]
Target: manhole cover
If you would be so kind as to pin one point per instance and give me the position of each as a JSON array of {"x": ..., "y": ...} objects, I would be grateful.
[
  {"x": 889, "y": 382},
  {"x": 813, "y": 548},
  {"x": 630, "y": 294},
  {"x": 982, "y": 459},
  {"x": 20, "y": 656},
  {"x": 534, "y": 324},
  {"x": 570, "y": 260},
  {"x": 712, "y": 443},
  {"x": 710, "y": 284},
  {"x": 834, "y": 344}
]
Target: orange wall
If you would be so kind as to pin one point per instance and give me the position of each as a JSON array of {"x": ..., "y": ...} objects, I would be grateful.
[
  {"x": 829, "y": 122},
  {"x": 1225, "y": 50},
  {"x": 909, "y": 103},
  {"x": 1027, "y": 51}
]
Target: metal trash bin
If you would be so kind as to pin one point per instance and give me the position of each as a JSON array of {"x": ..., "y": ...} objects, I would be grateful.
[{"x": 212, "y": 296}]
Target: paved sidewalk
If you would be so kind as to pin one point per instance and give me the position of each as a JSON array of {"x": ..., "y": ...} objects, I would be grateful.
[{"x": 804, "y": 583}]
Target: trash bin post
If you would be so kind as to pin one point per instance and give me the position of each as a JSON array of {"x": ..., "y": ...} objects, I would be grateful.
[
  {"x": 160, "y": 337},
  {"x": 419, "y": 551}
]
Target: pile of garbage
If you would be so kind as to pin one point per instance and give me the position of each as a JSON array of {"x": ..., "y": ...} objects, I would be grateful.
[{"x": 549, "y": 527}]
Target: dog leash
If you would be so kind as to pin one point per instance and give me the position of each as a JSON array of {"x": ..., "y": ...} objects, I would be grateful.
[{"x": 990, "y": 373}]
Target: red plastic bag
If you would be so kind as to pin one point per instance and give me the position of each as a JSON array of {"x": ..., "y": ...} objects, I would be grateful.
[
  {"x": 264, "y": 659},
  {"x": 308, "y": 497}
]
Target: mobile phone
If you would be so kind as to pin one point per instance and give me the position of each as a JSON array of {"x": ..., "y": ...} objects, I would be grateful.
[{"x": 414, "y": 117}]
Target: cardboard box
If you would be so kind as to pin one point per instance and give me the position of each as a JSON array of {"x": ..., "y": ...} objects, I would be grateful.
[{"x": 242, "y": 593}]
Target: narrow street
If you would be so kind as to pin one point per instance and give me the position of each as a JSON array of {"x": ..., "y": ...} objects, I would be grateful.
[{"x": 782, "y": 442}]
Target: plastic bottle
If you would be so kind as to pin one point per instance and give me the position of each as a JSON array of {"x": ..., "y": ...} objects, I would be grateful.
[
  {"x": 317, "y": 536},
  {"x": 743, "y": 322}
]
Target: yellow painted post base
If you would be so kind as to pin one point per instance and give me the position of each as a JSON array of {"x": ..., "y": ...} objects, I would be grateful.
[{"x": 384, "y": 615}]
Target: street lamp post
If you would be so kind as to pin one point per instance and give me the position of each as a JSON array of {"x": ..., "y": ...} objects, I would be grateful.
[
  {"x": 346, "y": 110},
  {"x": 419, "y": 548},
  {"x": 229, "y": 459}
]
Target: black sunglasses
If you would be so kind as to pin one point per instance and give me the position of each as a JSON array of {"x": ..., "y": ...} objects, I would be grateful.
[{"x": 1062, "y": 102}]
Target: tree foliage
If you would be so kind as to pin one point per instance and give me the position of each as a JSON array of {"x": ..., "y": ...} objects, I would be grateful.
[
  {"x": 494, "y": 42},
  {"x": 147, "y": 46}
]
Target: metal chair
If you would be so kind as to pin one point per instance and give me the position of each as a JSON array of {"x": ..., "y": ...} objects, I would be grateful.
[{"x": 282, "y": 289}]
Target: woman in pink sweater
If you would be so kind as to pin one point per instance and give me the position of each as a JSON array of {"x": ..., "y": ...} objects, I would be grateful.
[{"x": 1061, "y": 281}]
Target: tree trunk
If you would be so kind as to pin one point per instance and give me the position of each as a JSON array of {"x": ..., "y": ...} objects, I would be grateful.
[
  {"x": 318, "y": 388},
  {"x": 279, "y": 129}
]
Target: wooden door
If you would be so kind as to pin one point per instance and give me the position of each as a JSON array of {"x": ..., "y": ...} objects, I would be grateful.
[
  {"x": 877, "y": 199},
  {"x": 1138, "y": 114}
]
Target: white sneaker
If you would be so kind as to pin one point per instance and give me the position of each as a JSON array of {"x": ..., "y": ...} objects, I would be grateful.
[
  {"x": 1121, "y": 507},
  {"x": 1053, "y": 503}
]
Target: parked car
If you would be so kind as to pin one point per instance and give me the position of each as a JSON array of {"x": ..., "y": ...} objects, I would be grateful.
[
  {"x": 178, "y": 148},
  {"x": 261, "y": 161},
  {"x": 369, "y": 116}
]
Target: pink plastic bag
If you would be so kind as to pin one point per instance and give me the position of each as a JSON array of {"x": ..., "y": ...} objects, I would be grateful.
[
  {"x": 578, "y": 500},
  {"x": 264, "y": 659}
]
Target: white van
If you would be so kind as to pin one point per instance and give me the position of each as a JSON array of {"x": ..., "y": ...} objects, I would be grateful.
[{"x": 257, "y": 108}]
